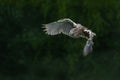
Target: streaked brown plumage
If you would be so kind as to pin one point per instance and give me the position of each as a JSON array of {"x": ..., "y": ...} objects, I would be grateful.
[{"x": 70, "y": 28}]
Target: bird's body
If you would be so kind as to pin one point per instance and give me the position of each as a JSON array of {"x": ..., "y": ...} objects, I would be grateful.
[{"x": 70, "y": 28}]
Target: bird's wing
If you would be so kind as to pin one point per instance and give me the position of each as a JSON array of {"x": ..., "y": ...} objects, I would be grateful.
[
  {"x": 61, "y": 26},
  {"x": 88, "y": 47}
]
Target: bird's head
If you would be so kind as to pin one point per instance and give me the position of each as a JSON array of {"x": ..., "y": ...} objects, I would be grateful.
[
  {"x": 84, "y": 32},
  {"x": 89, "y": 34}
]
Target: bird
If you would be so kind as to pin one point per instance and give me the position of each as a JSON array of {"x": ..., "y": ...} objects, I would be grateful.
[{"x": 70, "y": 28}]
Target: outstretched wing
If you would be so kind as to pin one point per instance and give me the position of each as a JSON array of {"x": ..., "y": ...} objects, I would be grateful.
[
  {"x": 61, "y": 26},
  {"x": 88, "y": 47}
]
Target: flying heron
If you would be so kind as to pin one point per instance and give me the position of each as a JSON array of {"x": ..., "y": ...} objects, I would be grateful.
[{"x": 75, "y": 30}]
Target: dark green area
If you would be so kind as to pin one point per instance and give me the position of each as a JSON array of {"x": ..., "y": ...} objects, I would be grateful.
[{"x": 27, "y": 53}]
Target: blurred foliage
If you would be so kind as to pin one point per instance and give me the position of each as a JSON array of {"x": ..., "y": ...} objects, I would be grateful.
[{"x": 27, "y": 53}]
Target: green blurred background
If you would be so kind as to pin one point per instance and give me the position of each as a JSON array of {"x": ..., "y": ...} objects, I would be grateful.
[{"x": 27, "y": 53}]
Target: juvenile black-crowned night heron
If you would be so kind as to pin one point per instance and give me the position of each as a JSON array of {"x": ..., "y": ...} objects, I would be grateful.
[{"x": 72, "y": 29}]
